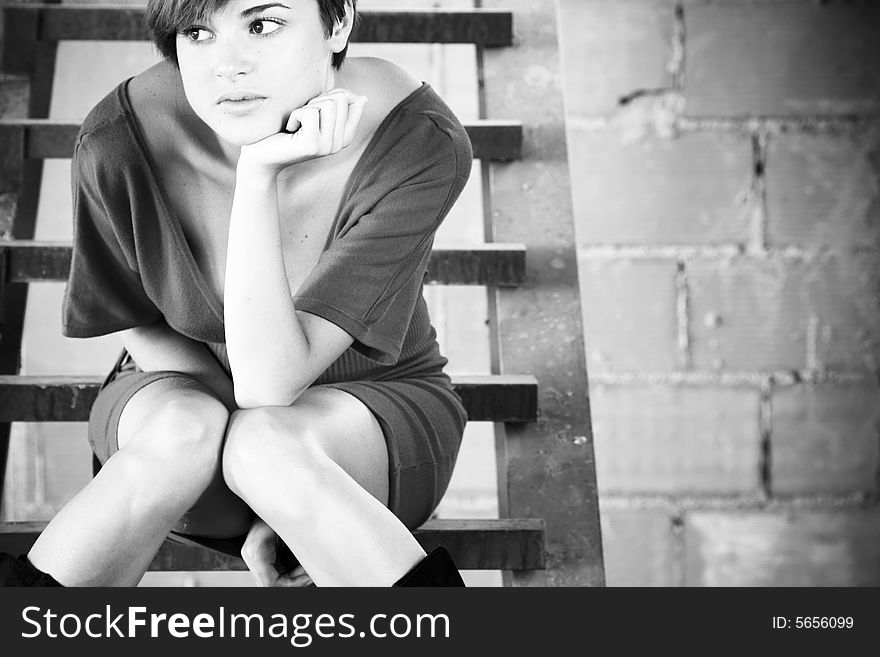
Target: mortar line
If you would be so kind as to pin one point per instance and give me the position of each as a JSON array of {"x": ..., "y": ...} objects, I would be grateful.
[
  {"x": 765, "y": 421},
  {"x": 678, "y": 523},
  {"x": 758, "y": 195},
  {"x": 683, "y": 252},
  {"x": 679, "y": 39},
  {"x": 779, "y": 124},
  {"x": 682, "y": 504},
  {"x": 877, "y": 474},
  {"x": 812, "y": 344},
  {"x": 682, "y": 314},
  {"x": 834, "y": 125},
  {"x": 781, "y": 378}
]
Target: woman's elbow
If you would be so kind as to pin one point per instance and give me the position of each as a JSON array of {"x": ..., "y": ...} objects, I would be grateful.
[{"x": 258, "y": 396}]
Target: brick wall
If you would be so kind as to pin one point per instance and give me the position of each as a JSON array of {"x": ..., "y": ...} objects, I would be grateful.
[{"x": 726, "y": 177}]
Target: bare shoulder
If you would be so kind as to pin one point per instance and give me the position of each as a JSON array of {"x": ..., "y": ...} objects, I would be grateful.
[
  {"x": 157, "y": 88},
  {"x": 384, "y": 83},
  {"x": 159, "y": 103},
  {"x": 384, "y": 76}
]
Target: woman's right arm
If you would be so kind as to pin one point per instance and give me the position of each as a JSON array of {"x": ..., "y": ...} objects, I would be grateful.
[
  {"x": 105, "y": 293},
  {"x": 157, "y": 347}
]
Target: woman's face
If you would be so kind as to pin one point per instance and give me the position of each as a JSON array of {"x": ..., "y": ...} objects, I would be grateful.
[{"x": 253, "y": 62}]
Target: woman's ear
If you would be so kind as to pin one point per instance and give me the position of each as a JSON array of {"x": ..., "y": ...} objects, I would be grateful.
[{"x": 342, "y": 30}]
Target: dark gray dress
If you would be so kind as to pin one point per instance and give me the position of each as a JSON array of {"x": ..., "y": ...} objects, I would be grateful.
[{"x": 132, "y": 266}]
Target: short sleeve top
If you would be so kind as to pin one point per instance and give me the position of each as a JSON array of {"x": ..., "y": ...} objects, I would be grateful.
[{"x": 132, "y": 265}]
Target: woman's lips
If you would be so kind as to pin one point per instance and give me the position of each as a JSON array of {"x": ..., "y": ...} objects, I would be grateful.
[{"x": 239, "y": 105}]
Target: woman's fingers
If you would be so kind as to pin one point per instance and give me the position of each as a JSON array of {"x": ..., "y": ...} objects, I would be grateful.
[
  {"x": 333, "y": 106},
  {"x": 258, "y": 553},
  {"x": 355, "y": 112},
  {"x": 341, "y": 102},
  {"x": 305, "y": 120},
  {"x": 297, "y": 577},
  {"x": 338, "y": 122},
  {"x": 262, "y": 569},
  {"x": 293, "y": 122},
  {"x": 345, "y": 102},
  {"x": 325, "y": 125},
  {"x": 328, "y": 109}
]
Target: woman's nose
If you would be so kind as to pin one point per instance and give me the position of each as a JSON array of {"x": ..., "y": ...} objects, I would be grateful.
[{"x": 233, "y": 59}]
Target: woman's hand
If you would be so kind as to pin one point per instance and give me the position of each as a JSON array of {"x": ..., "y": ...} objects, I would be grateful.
[
  {"x": 323, "y": 126},
  {"x": 260, "y": 556}
]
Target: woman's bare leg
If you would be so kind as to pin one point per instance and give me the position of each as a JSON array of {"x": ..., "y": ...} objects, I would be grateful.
[
  {"x": 317, "y": 473},
  {"x": 170, "y": 445}
]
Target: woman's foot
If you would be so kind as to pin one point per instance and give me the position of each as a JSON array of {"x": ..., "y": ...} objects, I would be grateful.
[
  {"x": 436, "y": 569},
  {"x": 21, "y": 572}
]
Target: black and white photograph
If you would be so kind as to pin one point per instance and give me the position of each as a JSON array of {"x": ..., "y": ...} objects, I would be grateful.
[{"x": 573, "y": 294}]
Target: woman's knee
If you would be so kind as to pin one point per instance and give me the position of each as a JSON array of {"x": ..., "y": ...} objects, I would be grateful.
[
  {"x": 273, "y": 447},
  {"x": 182, "y": 432}
]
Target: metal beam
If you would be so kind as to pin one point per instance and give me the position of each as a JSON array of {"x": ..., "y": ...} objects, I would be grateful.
[
  {"x": 69, "y": 399},
  {"x": 500, "y": 265},
  {"x": 474, "y": 544},
  {"x": 45, "y": 138},
  {"x": 97, "y": 23}
]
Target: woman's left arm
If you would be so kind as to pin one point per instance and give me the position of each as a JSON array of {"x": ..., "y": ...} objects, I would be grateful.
[{"x": 275, "y": 352}]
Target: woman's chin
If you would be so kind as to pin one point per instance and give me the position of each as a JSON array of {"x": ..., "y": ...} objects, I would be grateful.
[{"x": 244, "y": 134}]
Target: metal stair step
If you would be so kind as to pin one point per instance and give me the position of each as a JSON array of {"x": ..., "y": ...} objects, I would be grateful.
[
  {"x": 493, "y": 398},
  {"x": 482, "y": 27},
  {"x": 499, "y": 265},
  {"x": 497, "y": 140},
  {"x": 506, "y": 544}
]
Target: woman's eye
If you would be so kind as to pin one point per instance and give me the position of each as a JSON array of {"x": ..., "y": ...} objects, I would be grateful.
[
  {"x": 196, "y": 34},
  {"x": 264, "y": 26}
]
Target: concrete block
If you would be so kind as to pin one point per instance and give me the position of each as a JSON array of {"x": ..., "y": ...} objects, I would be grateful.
[
  {"x": 675, "y": 439},
  {"x": 746, "y": 315},
  {"x": 843, "y": 296},
  {"x": 782, "y": 58},
  {"x": 639, "y": 547},
  {"x": 689, "y": 190},
  {"x": 823, "y": 191},
  {"x": 825, "y": 438},
  {"x": 767, "y": 315},
  {"x": 611, "y": 49},
  {"x": 838, "y": 547},
  {"x": 629, "y": 309}
]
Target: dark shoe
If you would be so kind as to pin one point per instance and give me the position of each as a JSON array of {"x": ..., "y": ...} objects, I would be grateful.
[
  {"x": 21, "y": 572},
  {"x": 436, "y": 569}
]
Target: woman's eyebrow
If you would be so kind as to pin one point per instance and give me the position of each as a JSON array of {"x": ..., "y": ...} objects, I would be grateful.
[{"x": 256, "y": 9}]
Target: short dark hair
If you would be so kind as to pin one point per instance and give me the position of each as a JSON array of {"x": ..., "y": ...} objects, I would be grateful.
[{"x": 166, "y": 18}]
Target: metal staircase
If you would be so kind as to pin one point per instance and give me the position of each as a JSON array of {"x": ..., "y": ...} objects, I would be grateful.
[{"x": 549, "y": 530}]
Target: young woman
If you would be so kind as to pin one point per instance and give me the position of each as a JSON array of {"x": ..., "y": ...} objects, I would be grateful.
[{"x": 257, "y": 233}]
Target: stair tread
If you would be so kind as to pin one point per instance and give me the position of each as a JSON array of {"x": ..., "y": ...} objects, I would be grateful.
[
  {"x": 484, "y": 27},
  {"x": 60, "y": 398},
  {"x": 507, "y": 544},
  {"x": 492, "y": 139},
  {"x": 500, "y": 265}
]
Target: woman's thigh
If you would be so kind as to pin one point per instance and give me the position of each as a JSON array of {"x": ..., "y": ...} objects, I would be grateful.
[{"x": 331, "y": 421}]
